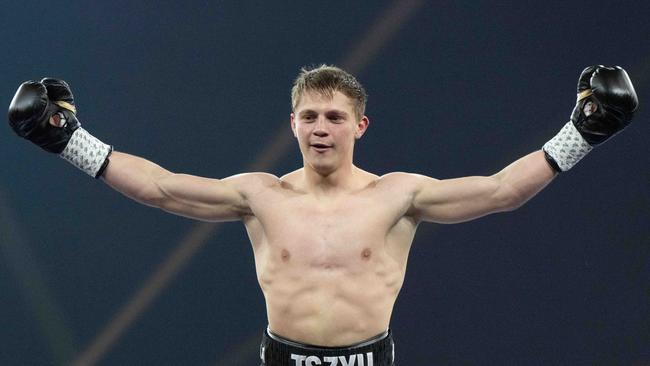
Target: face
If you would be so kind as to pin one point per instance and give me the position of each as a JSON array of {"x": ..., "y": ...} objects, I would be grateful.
[{"x": 326, "y": 129}]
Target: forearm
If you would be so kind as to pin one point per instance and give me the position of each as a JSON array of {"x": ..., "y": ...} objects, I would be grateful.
[
  {"x": 524, "y": 178},
  {"x": 134, "y": 177}
]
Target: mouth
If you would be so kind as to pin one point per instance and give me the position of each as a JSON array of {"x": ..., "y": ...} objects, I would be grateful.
[{"x": 320, "y": 147}]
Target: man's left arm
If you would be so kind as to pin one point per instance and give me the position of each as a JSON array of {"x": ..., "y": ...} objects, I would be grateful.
[
  {"x": 605, "y": 105},
  {"x": 463, "y": 199}
]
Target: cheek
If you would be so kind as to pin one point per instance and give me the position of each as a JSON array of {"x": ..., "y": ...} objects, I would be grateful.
[
  {"x": 298, "y": 130},
  {"x": 344, "y": 135},
  {"x": 302, "y": 134}
]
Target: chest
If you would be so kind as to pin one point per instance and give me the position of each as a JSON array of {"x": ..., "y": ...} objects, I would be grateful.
[{"x": 327, "y": 231}]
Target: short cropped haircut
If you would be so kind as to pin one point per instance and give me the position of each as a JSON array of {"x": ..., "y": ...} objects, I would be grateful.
[{"x": 326, "y": 80}]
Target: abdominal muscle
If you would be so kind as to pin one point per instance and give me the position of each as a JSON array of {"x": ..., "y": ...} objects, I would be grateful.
[{"x": 327, "y": 300}]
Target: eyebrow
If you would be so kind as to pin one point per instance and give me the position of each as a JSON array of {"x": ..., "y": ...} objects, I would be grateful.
[{"x": 330, "y": 111}]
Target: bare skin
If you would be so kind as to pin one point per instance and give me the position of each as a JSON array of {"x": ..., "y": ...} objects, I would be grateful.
[{"x": 330, "y": 240}]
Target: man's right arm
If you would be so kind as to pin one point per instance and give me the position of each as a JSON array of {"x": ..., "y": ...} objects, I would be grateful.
[
  {"x": 45, "y": 113},
  {"x": 181, "y": 194}
]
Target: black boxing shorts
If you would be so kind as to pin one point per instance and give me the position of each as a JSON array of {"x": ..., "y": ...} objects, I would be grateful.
[{"x": 376, "y": 351}]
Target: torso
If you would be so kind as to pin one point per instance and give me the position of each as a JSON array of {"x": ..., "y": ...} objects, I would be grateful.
[{"x": 330, "y": 267}]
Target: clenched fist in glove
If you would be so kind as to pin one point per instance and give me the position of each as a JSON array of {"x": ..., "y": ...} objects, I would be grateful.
[
  {"x": 44, "y": 113},
  {"x": 605, "y": 106}
]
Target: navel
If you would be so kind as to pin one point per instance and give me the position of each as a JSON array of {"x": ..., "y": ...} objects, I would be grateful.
[{"x": 366, "y": 254}]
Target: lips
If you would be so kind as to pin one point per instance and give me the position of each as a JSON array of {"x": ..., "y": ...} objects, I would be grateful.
[{"x": 320, "y": 147}]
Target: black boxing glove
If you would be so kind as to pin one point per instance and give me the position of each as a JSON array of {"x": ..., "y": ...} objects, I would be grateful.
[
  {"x": 36, "y": 104},
  {"x": 605, "y": 106}
]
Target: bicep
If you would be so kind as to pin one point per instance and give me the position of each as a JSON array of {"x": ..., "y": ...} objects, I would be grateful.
[
  {"x": 463, "y": 199},
  {"x": 457, "y": 200},
  {"x": 182, "y": 194},
  {"x": 201, "y": 198}
]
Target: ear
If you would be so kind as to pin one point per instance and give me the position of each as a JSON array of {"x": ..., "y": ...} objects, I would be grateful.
[
  {"x": 293, "y": 124},
  {"x": 361, "y": 127}
]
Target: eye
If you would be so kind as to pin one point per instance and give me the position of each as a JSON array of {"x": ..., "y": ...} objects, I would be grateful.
[
  {"x": 308, "y": 118},
  {"x": 335, "y": 118}
]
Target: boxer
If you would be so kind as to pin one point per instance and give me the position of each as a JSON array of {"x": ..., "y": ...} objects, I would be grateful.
[{"x": 330, "y": 239}]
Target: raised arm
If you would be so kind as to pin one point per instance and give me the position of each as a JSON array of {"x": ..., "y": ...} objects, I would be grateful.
[
  {"x": 186, "y": 195},
  {"x": 463, "y": 199},
  {"x": 605, "y": 105},
  {"x": 44, "y": 113}
]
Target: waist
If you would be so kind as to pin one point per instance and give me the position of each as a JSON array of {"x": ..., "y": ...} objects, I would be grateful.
[{"x": 375, "y": 351}]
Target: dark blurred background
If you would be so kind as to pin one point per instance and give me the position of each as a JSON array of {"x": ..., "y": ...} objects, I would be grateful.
[{"x": 455, "y": 88}]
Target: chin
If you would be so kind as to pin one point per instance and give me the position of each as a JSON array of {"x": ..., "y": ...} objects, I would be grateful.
[{"x": 322, "y": 168}]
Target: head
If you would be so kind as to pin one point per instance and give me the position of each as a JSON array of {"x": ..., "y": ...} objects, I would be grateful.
[
  {"x": 327, "y": 116},
  {"x": 326, "y": 80}
]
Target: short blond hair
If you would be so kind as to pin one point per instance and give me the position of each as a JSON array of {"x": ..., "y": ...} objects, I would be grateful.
[{"x": 326, "y": 80}]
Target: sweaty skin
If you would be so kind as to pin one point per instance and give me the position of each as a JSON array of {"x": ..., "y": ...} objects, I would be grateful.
[{"x": 330, "y": 240}]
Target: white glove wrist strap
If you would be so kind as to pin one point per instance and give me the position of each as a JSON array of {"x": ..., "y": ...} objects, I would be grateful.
[
  {"x": 86, "y": 152},
  {"x": 567, "y": 147}
]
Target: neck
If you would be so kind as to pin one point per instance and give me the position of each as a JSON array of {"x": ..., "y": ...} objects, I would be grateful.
[{"x": 335, "y": 181}]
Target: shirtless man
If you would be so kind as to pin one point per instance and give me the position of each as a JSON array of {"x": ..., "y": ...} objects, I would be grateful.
[{"x": 330, "y": 240}]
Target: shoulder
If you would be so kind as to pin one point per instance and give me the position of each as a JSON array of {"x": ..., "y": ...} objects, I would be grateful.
[
  {"x": 253, "y": 178},
  {"x": 251, "y": 183},
  {"x": 291, "y": 177},
  {"x": 405, "y": 180}
]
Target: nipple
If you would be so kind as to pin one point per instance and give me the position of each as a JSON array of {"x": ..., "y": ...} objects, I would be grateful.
[{"x": 285, "y": 255}]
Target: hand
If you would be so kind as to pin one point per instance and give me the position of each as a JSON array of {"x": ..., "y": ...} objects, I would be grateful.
[
  {"x": 606, "y": 103},
  {"x": 605, "y": 106},
  {"x": 44, "y": 113}
]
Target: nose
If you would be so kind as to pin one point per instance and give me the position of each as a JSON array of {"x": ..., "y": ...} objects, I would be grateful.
[{"x": 320, "y": 129}]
